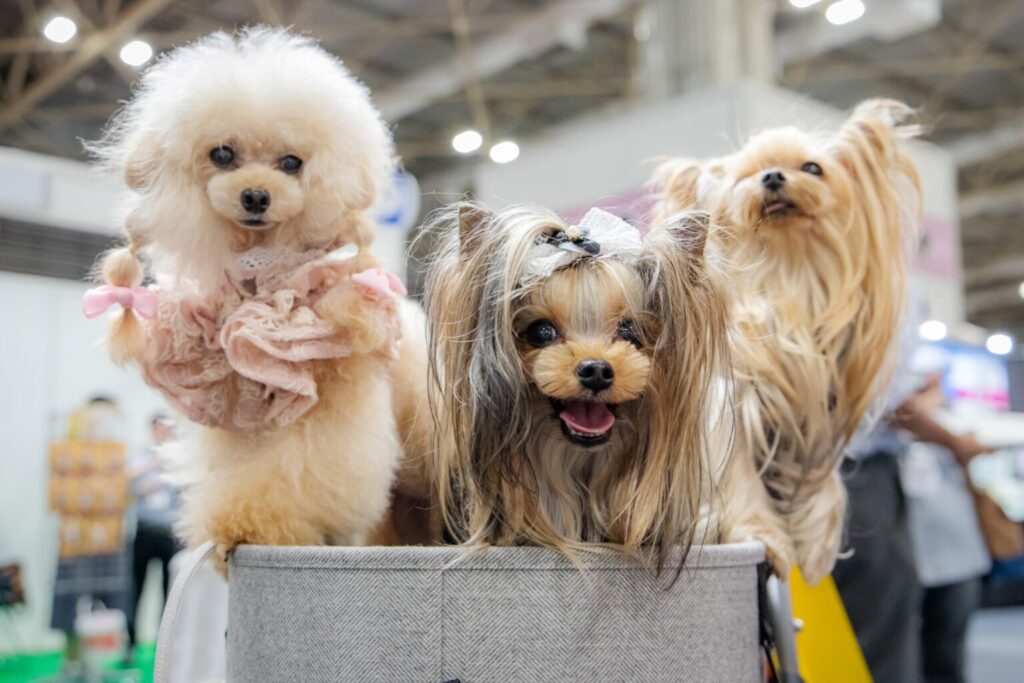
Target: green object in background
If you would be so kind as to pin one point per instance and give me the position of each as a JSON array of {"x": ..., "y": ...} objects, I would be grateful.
[{"x": 46, "y": 666}]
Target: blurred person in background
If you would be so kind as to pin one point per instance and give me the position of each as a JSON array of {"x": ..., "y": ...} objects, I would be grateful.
[
  {"x": 98, "y": 420},
  {"x": 156, "y": 509},
  {"x": 950, "y": 555},
  {"x": 908, "y": 634}
]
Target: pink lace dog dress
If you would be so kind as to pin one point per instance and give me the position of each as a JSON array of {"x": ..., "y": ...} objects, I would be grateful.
[{"x": 245, "y": 358}]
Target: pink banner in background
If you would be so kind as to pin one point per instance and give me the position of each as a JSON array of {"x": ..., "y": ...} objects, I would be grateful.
[{"x": 940, "y": 251}]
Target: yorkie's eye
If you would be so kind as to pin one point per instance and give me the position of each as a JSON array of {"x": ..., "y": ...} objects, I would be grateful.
[
  {"x": 541, "y": 333},
  {"x": 222, "y": 156},
  {"x": 290, "y": 164},
  {"x": 812, "y": 168},
  {"x": 628, "y": 332}
]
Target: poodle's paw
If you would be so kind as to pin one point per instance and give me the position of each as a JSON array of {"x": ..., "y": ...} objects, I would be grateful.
[
  {"x": 362, "y": 318},
  {"x": 221, "y": 556}
]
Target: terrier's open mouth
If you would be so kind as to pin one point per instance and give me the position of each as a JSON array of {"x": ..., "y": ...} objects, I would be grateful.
[
  {"x": 585, "y": 423},
  {"x": 779, "y": 207}
]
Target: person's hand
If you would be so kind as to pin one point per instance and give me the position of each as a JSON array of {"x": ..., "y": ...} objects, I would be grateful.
[
  {"x": 967, "y": 447},
  {"x": 929, "y": 397}
]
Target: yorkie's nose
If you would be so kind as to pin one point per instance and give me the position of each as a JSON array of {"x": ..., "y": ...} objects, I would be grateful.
[
  {"x": 596, "y": 375},
  {"x": 255, "y": 201},
  {"x": 773, "y": 180}
]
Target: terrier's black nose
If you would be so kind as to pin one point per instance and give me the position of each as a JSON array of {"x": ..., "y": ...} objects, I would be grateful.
[
  {"x": 773, "y": 180},
  {"x": 596, "y": 375},
  {"x": 255, "y": 201}
]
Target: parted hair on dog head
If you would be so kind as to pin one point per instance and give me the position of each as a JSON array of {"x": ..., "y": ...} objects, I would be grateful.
[{"x": 573, "y": 364}]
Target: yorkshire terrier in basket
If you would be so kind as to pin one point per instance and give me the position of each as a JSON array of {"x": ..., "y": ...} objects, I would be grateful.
[
  {"x": 573, "y": 365},
  {"x": 816, "y": 228},
  {"x": 250, "y": 159}
]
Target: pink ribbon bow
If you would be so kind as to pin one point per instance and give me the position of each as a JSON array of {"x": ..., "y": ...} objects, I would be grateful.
[
  {"x": 140, "y": 299},
  {"x": 380, "y": 281}
]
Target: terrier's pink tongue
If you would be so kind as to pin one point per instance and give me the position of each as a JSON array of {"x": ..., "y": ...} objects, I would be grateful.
[
  {"x": 588, "y": 417},
  {"x": 776, "y": 206}
]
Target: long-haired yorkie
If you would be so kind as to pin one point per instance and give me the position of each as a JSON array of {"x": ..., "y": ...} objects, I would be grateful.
[
  {"x": 815, "y": 229},
  {"x": 573, "y": 366}
]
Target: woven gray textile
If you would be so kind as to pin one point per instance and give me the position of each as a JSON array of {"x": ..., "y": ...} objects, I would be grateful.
[{"x": 428, "y": 615}]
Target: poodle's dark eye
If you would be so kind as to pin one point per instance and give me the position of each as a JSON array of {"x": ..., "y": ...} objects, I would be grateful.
[
  {"x": 627, "y": 332},
  {"x": 222, "y": 156},
  {"x": 812, "y": 168},
  {"x": 541, "y": 333},
  {"x": 290, "y": 164}
]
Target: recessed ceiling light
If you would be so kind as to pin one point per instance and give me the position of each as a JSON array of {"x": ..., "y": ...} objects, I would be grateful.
[
  {"x": 467, "y": 141},
  {"x": 60, "y": 29},
  {"x": 844, "y": 11},
  {"x": 800, "y": 4},
  {"x": 999, "y": 344},
  {"x": 136, "y": 53},
  {"x": 504, "y": 152},
  {"x": 932, "y": 330}
]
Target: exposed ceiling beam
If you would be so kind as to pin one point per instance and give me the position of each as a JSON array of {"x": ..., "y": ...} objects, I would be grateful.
[
  {"x": 996, "y": 19},
  {"x": 993, "y": 297},
  {"x": 1003, "y": 199},
  {"x": 524, "y": 39},
  {"x": 89, "y": 49},
  {"x": 997, "y": 140},
  {"x": 921, "y": 66},
  {"x": 811, "y": 36},
  {"x": 1004, "y": 269},
  {"x": 70, "y": 8},
  {"x": 464, "y": 50}
]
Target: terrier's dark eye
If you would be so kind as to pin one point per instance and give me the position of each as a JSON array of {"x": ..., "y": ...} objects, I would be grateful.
[
  {"x": 222, "y": 156},
  {"x": 628, "y": 332},
  {"x": 812, "y": 168},
  {"x": 541, "y": 333},
  {"x": 290, "y": 164}
]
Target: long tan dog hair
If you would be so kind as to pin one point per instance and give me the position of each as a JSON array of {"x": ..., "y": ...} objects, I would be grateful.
[
  {"x": 510, "y": 477},
  {"x": 820, "y": 291}
]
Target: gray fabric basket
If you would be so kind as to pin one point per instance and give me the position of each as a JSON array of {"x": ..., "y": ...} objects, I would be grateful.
[{"x": 428, "y": 615}]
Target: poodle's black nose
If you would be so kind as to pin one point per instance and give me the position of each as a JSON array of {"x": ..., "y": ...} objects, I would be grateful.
[
  {"x": 595, "y": 375},
  {"x": 773, "y": 180},
  {"x": 255, "y": 201}
]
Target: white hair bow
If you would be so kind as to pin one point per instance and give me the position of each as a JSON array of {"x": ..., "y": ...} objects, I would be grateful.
[{"x": 598, "y": 234}]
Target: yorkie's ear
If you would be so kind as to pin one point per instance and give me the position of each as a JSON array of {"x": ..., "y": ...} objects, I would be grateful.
[
  {"x": 688, "y": 232},
  {"x": 472, "y": 220},
  {"x": 875, "y": 128},
  {"x": 678, "y": 182}
]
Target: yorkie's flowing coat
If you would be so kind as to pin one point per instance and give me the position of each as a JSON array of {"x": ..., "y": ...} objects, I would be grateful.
[
  {"x": 816, "y": 230},
  {"x": 573, "y": 366}
]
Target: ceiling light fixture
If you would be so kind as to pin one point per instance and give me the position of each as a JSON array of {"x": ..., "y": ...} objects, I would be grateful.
[
  {"x": 999, "y": 344},
  {"x": 844, "y": 11},
  {"x": 467, "y": 142},
  {"x": 60, "y": 29},
  {"x": 504, "y": 152},
  {"x": 802, "y": 4},
  {"x": 136, "y": 53},
  {"x": 932, "y": 330}
]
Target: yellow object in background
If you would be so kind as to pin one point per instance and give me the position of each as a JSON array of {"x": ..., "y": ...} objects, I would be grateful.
[{"x": 826, "y": 646}]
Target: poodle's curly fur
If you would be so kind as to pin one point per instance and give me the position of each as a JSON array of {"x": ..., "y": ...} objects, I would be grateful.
[{"x": 266, "y": 95}]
